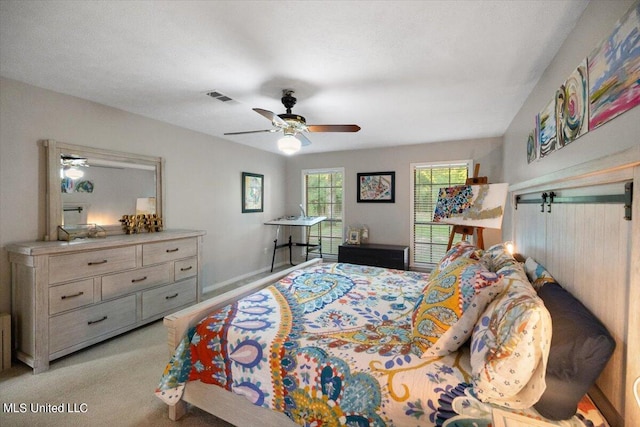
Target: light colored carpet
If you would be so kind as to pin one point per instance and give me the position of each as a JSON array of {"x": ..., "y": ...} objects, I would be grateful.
[{"x": 115, "y": 379}]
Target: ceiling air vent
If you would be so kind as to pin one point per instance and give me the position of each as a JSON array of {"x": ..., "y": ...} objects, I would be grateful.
[{"x": 219, "y": 96}]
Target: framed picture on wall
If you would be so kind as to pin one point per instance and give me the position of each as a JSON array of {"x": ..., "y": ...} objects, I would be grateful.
[
  {"x": 376, "y": 187},
  {"x": 252, "y": 192}
]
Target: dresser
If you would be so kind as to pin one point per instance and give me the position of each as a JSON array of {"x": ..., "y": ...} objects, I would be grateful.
[
  {"x": 69, "y": 295},
  {"x": 377, "y": 255}
]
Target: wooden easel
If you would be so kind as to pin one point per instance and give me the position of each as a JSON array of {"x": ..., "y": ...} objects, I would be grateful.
[{"x": 467, "y": 230}]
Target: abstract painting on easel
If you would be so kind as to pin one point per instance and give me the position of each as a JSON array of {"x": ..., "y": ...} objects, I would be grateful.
[{"x": 472, "y": 205}]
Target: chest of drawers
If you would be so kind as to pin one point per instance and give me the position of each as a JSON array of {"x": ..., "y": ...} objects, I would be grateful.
[
  {"x": 69, "y": 295},
  {"x": 377, "y": 255}
]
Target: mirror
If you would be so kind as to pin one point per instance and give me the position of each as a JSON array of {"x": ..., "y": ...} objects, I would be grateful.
[{"x": 88, "y": 185}]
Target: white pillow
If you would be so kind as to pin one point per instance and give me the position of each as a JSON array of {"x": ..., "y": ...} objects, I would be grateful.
[{"x": 510, "y": 345}]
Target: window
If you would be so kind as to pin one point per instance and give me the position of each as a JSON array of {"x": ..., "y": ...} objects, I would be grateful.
[
  {"x": 323, "y": 197},
  {"x": 429, "y": 239}
]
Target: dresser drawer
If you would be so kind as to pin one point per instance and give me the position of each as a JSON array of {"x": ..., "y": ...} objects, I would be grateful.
[
  {"x": 155, "y": 253},
  {"x": 84, "y": 324},
  {"x": 186, "y": 268},
  {"x": 135, "y": 280},
  {"x": 79, "y": 265},
  {"x": 70, "y": 295},
  {"x": 159, "y": 300}
]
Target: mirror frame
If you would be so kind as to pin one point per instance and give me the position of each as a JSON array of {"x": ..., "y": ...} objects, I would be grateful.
[{"x": 53, "y": 193}]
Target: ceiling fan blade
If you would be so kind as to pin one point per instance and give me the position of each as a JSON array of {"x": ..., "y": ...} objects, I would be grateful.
[
  {"x": 333, "y": 128},
  {"x": 275, "y": 119},
  {"x": 304, "y": 141},
  {"x": 252, "y": 131}
]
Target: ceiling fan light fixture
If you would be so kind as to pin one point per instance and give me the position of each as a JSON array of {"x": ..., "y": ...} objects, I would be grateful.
[
  {"x": 73, "y": 173},
  {"x": 293, "y": 126},
  {"x": 289, "y": 144}
]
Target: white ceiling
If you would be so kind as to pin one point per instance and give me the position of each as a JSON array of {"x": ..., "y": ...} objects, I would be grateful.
[{"x": 407, "y": 72}]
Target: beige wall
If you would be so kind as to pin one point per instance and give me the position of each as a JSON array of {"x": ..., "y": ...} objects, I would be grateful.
[
  {"x": 596, "y": 23},
  {"x": 390, "y": 222},
  {"x": 202, "y": 176},
  {"x": 203, "y": 172}
]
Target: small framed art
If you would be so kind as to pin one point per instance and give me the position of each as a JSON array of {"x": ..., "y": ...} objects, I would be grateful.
[
  {"x": 354, "y": 237},
  {"x": 252, "y": 192},
  {"x": 376, "y": 187}
]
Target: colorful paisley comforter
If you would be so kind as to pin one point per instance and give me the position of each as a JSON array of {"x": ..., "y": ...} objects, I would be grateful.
[{"x": 331, "y": 345}]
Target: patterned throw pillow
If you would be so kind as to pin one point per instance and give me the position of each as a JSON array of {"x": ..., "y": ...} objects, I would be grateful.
[
  {"x": 510, "y": 345},
  {"x": 462, "y": 249},
  {"x": 537, "y": 274},
  {"x": 451, "y": 303},
  {"x": 497, "y": 257}
]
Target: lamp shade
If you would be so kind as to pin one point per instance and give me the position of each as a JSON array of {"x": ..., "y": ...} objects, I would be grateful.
[
  {"x": 289, "y": 144},
  {"x": 73, "y": 173}
]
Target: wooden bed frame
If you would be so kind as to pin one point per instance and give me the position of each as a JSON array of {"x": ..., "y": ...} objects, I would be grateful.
[{"x": 583, "y": 264}]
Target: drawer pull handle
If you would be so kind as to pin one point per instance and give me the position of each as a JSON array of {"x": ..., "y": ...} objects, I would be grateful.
[
  {"x": 139, "y": 280},
  {"x": 91, "y": 322},
  {"x": 171, "y": 296},
  {"x": 72, "y": 296},
  {"x": 104, "y": 261},
  {"x": 173, "y": 250},
  {"x": 186, "y": 268}
]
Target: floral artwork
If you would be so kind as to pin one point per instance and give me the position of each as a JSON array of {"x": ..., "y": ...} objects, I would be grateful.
[{"x": 614, "y": 71}]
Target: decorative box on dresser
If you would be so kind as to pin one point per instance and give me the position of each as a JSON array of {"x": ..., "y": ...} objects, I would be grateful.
[{"x": 69, "y": 295}]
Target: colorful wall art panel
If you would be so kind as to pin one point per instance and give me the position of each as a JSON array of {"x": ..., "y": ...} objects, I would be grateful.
[
  {"x": 605, "y": 85},
  {"x": 532, "y": 146},
  {"x": 571, "y": 106},
  {"x": 547, "y": 133},
  {"x": 614, "y": 71},
  {"x": 472, "y": 205}
]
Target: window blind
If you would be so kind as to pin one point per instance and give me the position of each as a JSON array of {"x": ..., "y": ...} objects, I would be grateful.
[{"x": 429, "y": 239}]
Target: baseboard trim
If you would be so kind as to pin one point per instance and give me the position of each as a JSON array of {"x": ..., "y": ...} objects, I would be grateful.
[{"x": 219, "y": 285}]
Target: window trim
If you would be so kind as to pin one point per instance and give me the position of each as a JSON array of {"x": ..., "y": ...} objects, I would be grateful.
[{"x": 412, "y": 169}]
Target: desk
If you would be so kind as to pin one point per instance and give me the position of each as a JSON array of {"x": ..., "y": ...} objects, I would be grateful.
[{"x": 296, "y": 221}]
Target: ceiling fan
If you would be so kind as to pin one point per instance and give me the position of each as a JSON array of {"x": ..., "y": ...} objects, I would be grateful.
[{"x": 293, "y": 126}]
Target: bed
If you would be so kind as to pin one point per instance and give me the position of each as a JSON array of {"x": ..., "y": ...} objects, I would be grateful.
[
  {"x": 351, "y": 344},
  {"x": 332, "y": 344}
]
